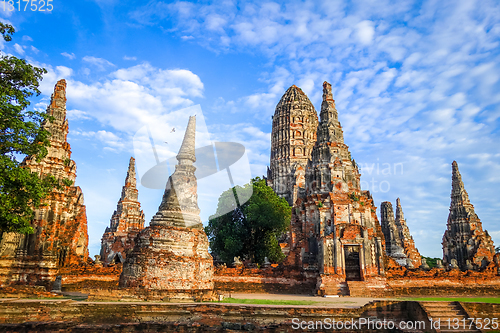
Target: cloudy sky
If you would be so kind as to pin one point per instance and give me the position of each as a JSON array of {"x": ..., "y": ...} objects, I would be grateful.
[{"x": 416, "y": 84}]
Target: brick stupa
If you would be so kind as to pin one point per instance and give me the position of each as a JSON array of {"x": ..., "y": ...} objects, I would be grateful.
[
  {"x": 171, "y": 255},
  {"x": 127, "y": 221},
  {"x": 464, "y": 240}
]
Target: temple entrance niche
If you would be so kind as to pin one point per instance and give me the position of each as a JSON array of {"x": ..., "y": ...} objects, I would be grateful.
[{"x": 352, "y": 263}]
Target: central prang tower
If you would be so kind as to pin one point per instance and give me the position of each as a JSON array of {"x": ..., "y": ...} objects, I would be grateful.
[
  {"x": 293, "y": 137},
  {"x": 334, "y": 231}
]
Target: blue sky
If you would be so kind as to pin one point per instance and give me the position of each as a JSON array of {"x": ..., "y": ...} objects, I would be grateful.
[{"x": 416, "y": 84}]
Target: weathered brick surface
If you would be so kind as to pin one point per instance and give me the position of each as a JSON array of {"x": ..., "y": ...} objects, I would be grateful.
[
  {"x": 60, "y": 237},
  {"x": 127, "y": 221},
  {"x": 280, "y": 279}
]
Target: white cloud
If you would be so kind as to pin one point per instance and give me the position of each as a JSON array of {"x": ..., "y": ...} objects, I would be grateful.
[
  {"x": 19, "y": 49},
  {"x": 111, "y": 141},
  {"x": 256, "y": 142},
  {"x": 70, "y": 56},
  {"x": 129, "y": 58},
  {"x": 27, "y": 38},
  {"x": 100, "y": 63},
  {"x": 127, "y": 98},
  {"x": 77, "y": 114},
  {"x": 365, "y": 32}
]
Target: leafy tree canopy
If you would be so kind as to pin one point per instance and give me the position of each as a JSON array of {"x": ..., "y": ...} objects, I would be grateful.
[
  {"x": 252, "y": 229},
  {"x": 21, "y": 134},
  {"x": 432, "y": 262}
]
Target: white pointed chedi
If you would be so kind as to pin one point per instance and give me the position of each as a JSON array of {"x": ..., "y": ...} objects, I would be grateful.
[{"x": 171, "y": 255}]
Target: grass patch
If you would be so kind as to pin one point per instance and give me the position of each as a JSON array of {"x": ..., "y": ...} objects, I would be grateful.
[
  {"x": 495, "y": 300},
  {"x": 265, "y": 301}
]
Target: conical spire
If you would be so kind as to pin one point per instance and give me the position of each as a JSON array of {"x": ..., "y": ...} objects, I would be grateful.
[
  {"x": 459, "y": 195},
  {"x": 58, "y": 98},
  {"x": 400, "y": 218},
  {"x": 128, "y": 214},
  {"x": 328, "y": 109},
  {"x": 179, "y": 205},
  {"x": 464, "y": 239},
  {"x": 130, "y": 180},
  {"x": 57, "y": 109},
  {"x": 329, "y": 129},
  {"x": 186, "y": 152}
]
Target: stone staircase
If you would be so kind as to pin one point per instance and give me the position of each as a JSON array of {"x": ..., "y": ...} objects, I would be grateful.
[
  {"x": 356, "y": 288},
  {"x": 442, "y": 311},
  {"x": 365, "y": 289}
]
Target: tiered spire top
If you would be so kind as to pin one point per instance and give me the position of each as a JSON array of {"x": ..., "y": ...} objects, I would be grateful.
[
  {"x": 329, "y": 129},
  {"x": 328, "y": 109},
  {"x": 400, "y": 218},
  {"x": 459, "y": 195},
  {"x": 130, "y": 181},
  {"x": 58, "y": 127},
  {"x": 58, "y": 98}
]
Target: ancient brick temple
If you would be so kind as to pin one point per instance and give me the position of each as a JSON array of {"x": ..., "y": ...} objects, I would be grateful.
[
  {"x": 334, "y": 231},
  {"x": 127, "y": 221},
  {"x": 464, "y": 239},
  {"x": 399, "y": 244},
  {"x": 60, "y": 238},
  {"x": 172, "y": 253},
  {"x": 292, "y": 140}
]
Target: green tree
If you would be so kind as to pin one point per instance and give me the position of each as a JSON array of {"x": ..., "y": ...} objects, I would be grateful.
[
  {"x": 21, "y": 134},
  {"x": 432, "y": 262},
  {"x": 252, "y": 229}
]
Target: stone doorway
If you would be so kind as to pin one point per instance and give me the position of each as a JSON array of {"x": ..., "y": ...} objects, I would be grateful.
[{"x": 352, "y": 264}]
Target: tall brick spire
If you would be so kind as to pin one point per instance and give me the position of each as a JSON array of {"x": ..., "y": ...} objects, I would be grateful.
[
  {"x": 330, "y": 157},
  {"x": 60, "y": 224},
  {"x": 128, "y": 214},
  {"x": 393, "y": 242},
  {"x": 464, "y": 239},
  {"x": 126, "y": 221},
  {"x": 406, "y": 238}
]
